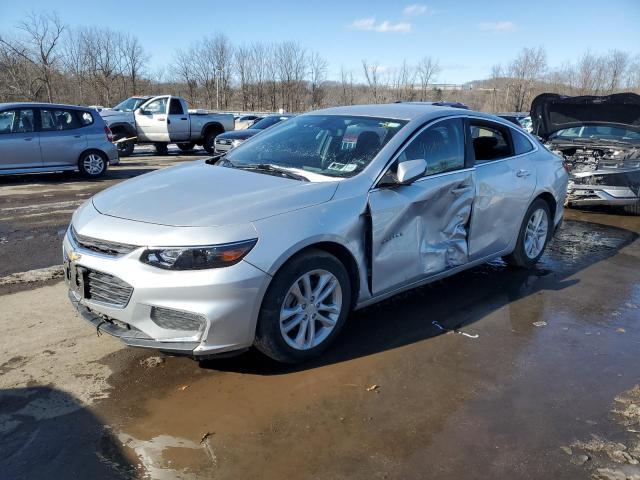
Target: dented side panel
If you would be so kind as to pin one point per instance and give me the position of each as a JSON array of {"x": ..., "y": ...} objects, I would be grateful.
[{"x": 420, "y": 229}]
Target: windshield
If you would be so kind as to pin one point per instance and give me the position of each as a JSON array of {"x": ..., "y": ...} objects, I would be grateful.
[
  {"x": 597, "y": 132},
  {"x": 130, "y": 104},
  {"x": 331, "y": 145},
  {"x": 267, "y": 122}
]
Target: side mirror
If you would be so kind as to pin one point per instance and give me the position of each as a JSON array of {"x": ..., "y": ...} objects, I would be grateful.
[{"x": 410, "y": 170}]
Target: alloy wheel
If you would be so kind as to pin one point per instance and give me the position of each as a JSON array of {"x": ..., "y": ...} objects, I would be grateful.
[
  {"x": 311, "y": 309},
  {"x": 93, "y": 164},
  {"x": 535, "y": 235}
]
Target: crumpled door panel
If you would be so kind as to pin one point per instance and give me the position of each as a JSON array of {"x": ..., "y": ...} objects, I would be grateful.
[{"x": 420, "y": 229}]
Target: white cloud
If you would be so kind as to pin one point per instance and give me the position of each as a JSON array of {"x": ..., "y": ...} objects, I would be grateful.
[
  {"x": 416, "y": 9},
  {"x": 386, "y": 26},
  {"x": 499, "y": 27}
]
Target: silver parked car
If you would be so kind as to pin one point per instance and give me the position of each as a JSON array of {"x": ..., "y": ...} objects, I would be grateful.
[
  {"x": 275, "y": 243},
  {"x": 43, "y": 137}
]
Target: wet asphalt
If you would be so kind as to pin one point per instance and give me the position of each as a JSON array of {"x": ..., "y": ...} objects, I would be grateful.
[{"x": 524, "y": 374}]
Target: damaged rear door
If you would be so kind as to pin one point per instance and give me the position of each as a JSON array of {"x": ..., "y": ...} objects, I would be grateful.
[{"x": 421, "y": 229}]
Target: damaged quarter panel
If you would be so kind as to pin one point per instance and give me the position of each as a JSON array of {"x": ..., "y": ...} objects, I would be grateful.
[{"x": 420, "y": 229}]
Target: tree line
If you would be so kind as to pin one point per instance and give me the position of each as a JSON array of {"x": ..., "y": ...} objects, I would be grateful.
[{"x": 42, "y": 59}]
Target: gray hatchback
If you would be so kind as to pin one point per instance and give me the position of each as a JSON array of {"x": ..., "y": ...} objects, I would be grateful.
[{"x": 43, "y": 137}]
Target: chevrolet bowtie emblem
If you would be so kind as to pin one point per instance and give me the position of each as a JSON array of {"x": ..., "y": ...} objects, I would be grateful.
[{"x": 74, "y": 256}]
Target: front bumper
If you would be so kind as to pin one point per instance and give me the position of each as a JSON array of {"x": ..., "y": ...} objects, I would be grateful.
[
  {"x": 227, "y": 299},
  {"x": 585, "y": 195}
]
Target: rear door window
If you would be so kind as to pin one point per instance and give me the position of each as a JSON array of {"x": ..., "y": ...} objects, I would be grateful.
[
  {"x": 58, "y": 120},
  {"x": 490, "y": 141},
  {"x": 16, "y": 121}
]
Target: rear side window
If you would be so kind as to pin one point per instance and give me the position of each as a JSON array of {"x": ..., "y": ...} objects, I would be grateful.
[
  {"x": 16, "y": 121},
  {"x": 86, "y": 118},
  {"x": 521, "y": 144},
  {"x": 490, "y": 142},
  {"x": 58, "y": 120},
  {"x": 175, "y": 107}
]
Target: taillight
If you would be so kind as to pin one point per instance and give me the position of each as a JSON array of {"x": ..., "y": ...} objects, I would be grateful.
[{"x": 107, "y": 132}]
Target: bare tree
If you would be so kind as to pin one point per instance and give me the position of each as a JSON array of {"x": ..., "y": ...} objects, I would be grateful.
[
  {"x": 428, "y": 69},
  {"x": 403, "y": 83},
  {"x": 134, "y": 59},
  {"x": 317, "y": 77},
  {"x": 523, "y": 72},
  {"x": 617, "y": 65},
  {"x": 372, "y": 76},
  {"x": 39, "y": 45}
]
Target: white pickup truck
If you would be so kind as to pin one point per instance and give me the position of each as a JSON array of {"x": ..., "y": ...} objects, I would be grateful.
[{"x": 162, "y": 120}]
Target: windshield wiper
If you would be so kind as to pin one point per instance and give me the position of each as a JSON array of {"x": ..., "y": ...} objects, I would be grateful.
[{"x": 268, "y": 167}]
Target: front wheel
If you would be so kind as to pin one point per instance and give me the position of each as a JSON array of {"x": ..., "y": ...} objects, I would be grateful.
[
  {"x": 534, "y": 235},
  {"x": 92, "y": 164},
  {"x": 304, "y": 308},
  {"x": 161, "y": 148}
]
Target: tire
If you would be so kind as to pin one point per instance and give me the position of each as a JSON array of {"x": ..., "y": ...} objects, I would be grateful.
[
  {"x": 632, "y": 209},
  {"x": 125, "y": 149},
  {"x": 209, "y": 140},
  {"x": 520, "y": 257},
  {"x": 92, "y": 164},
  {"x": 186, "y": 147},
  {"x": 271, "y": 338},
  {"x": 161, "y": 148}
]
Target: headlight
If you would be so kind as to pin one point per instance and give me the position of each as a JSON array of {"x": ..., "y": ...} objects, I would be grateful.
[
  {"x": 198, "y": 258},
  {"x": 235, "y": 143}
]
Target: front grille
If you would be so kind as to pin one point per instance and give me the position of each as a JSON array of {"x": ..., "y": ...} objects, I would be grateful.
[
  {"x": 223, "y": 142},
  {"x": 105, "y": 247},
  {"x": 104, "y": 288}
]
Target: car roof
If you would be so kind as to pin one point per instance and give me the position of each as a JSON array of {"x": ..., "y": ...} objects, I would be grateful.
[
  {"x": 400, "y": 111},
  {"x": 40, "y": 105}
]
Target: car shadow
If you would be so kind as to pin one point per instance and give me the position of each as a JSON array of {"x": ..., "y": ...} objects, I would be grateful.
[
  {"x": 408, "y": 317},
  {"x": 47, "y": 433}
]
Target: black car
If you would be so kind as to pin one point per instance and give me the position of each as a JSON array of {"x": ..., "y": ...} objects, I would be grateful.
[
  {"x": 599, "y": 138},
  {"x": 226, "y": 141}
]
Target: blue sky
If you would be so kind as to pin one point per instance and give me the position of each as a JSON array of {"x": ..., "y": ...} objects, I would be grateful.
[{"x": 467, "y": 37}]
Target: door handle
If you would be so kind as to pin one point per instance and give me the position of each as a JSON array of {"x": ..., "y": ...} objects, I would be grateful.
[
  {"x": 523, "y": 173},
  {"x": 77, "y": 136},
  {"x": 28, "y": 139},
  {"x": 183, "y": 119},
  {"x": 168, "y": 121},
  {"x": 460, "y": 190}
]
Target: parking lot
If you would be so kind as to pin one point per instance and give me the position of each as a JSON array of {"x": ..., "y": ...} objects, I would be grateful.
[{"x": 493, "y": 373}]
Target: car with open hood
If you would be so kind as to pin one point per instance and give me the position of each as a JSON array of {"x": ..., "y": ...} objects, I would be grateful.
[
  {"x": 274, "y": 243},
  {"x": 599, "y": 138}
]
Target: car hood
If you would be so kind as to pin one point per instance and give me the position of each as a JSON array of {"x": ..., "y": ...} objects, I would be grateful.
[
  {"x": 551, "y": 112},
  {"x": 197, "y": 194},
  {"x": 239, "y": 134}
]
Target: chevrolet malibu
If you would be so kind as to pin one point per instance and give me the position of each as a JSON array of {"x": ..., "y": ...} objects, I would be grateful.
[{"x": 273, "y": 244}]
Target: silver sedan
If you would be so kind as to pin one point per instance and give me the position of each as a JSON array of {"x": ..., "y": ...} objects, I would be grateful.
[{"x": 275, "y": 243}]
